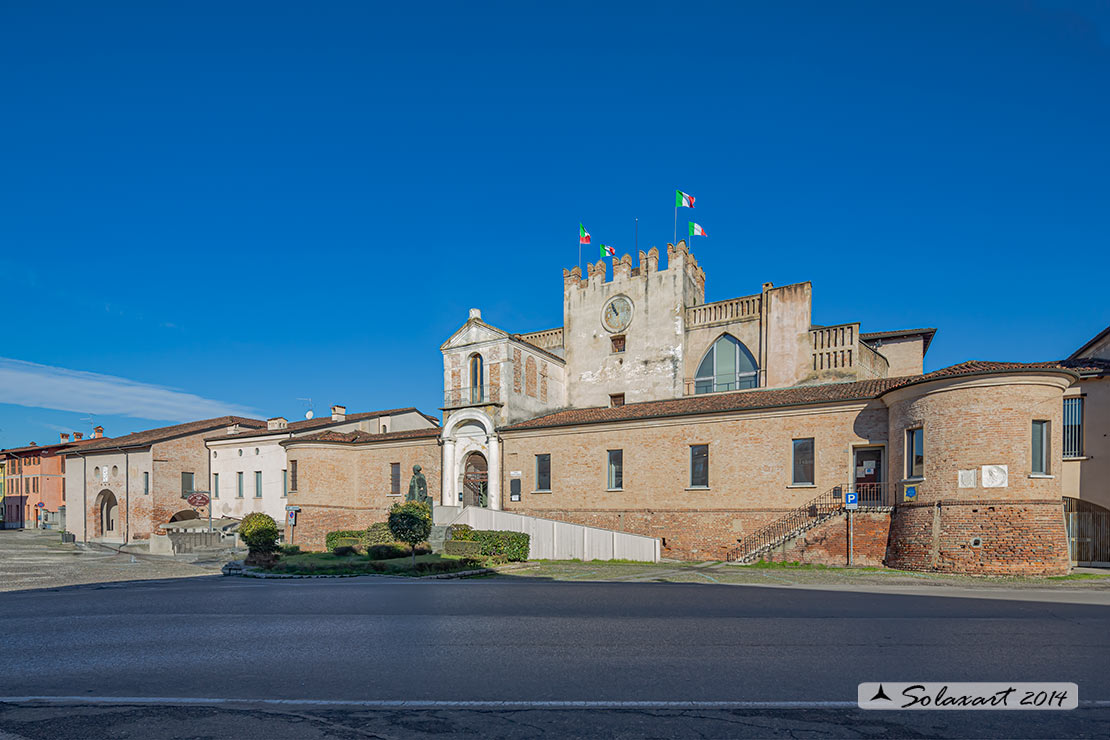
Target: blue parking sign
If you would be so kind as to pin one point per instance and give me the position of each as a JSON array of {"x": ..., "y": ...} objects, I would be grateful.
[{"x": 851, "y": 500}]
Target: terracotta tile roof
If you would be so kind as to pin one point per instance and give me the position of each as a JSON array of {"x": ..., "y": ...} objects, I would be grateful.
[
  {"x": 926, "y": 333},
  {"x": 358, "y": 437},
  {"x": 806, "y": 395},
  {"x": 712, "y": 403},
  {"x": 150, "y": 436},
  {"x": 321, "y": 423},
  {"x": 55, "y": 447},
  {"x": 1087, "y": 366}
]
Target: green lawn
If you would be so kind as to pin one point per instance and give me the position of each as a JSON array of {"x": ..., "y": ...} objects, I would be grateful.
[{"x": 325, "y": 563}]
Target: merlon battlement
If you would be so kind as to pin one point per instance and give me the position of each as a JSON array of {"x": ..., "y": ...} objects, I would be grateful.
[{"x": 597, "y": 272}]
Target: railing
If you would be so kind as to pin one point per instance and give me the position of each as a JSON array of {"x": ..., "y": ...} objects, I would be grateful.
[
  {"x": 834, "y": 347},
  {"x": 733, "y": 309},
  {"x": 741, "y": 382},
  {"x": 547, "y": 339},
  {"x": 474, "y": 396},
  {"x": 807, "y": 516}
]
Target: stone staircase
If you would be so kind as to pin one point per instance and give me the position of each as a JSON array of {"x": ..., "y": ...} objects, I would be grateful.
[{"x": 797, "y": 522}]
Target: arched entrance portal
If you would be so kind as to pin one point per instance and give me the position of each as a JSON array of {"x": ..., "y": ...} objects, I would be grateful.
[
  {"x": 475, "y": 484},
  {"x": 183, "y": 515},
  {"x": 108, "y": 514}
]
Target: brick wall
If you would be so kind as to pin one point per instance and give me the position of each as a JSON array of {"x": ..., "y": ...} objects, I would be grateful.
[
  {"x": 750, "y": 465},
  {"x": 347, "y": 486},
  {"x": 969, "y": 423},
  {"x": 827, "y": 543}
]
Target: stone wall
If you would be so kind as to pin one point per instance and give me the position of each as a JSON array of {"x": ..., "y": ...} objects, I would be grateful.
[{"x": 347, "y": 486}]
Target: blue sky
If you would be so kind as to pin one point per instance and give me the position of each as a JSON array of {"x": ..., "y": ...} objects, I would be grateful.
[{"x": 212, "y": 207}]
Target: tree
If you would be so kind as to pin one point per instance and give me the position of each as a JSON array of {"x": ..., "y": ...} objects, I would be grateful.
[
  {"x": 411, "y": 523},
  {"x": 259, "y": 532}
]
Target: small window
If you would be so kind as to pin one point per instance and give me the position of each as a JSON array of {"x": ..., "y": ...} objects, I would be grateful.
[
  {"x": 292, "y": 475},
  {"x": 1040, "y": 448},
  {"x": 616, "y": 470},
  {"x": 543, "y": 472},
  {"x": 395, "y": 478},
  {"x": 803, "y": 462},
  {"x": 284, "y": 483},
  {"x": 699, "y": 466},
  {"x": 617, "y": 342},
  {"x": 258, "y": 484},
  {"x": 240, "y": 453},
  {"x": 915, "y": 453},
  {"x": 215, "y": 485},
  {"x": 96, "y": 471},
  {"x": 115, "y": 470},
  {"x": 239, "y": 485},
  {"x": 187, "y": 486},
  {"x": 214, "y": 455},
  {"x": 1073, "y": 427},
  {"x": 256, "y": 450},
  {"x": 616, "y": 399},
  {"x": 146, "y": 484}
]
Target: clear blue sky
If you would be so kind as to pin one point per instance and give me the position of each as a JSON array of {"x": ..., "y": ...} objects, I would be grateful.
[{"x": 236, "y": 205}]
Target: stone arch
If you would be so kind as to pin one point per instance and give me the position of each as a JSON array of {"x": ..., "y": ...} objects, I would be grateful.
[
  {"x": 184, "y": 515},
  {"x": 106, "y": 514},
  {"x": 474, "y": 483},
  {"x": 459, "y": 418}
]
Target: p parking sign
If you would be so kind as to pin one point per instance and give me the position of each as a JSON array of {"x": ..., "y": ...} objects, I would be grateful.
[{"x": 851, "y": 500}]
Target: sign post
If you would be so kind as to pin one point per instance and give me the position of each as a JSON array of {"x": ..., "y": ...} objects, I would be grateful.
[{"x": 851, "y": 503}]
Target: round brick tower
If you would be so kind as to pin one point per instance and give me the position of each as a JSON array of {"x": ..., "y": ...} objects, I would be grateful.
[{"x": 984, "y": 502}]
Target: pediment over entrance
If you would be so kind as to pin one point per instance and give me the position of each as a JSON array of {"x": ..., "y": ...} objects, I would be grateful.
[{"x": 473, "y": 332}]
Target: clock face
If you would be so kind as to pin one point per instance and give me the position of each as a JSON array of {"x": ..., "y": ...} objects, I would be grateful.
[{"x": 617, "y": 314}]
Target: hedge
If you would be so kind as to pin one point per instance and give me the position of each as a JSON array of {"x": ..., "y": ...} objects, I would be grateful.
[
  {"x": 376, "y": 534},
  {"x": 462, "y": 548},
  {"x": 494, "y": 543},
  {"x": 332, "y": 539}
]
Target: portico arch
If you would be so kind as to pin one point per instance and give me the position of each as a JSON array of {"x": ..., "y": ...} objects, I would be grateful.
[{"x": 466, "y": 432}]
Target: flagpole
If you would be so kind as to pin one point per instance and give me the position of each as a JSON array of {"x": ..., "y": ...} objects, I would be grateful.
[
  {"x": 636, "y": 237},
  {"x": 676, "y": 223}
]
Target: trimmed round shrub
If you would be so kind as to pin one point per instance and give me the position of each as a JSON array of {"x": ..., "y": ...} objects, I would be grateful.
[
  {"x": 344, "y": 551},
  {"x": 411, "y": 523},
  {"x": 259, "y": 532}
]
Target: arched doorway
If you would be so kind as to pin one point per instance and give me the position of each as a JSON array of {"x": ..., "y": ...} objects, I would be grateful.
[
  {"x": 184, "y": 515},
  {"x": 475, "y": 485},
  {"x": 108, "y": 514}
]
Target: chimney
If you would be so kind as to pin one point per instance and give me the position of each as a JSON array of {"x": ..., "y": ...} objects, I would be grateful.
[
  {"x": 767, "y": 286},
  {"x": 278, "y": 422},
  {"x": 32, "y": 444},
  {"x": 64, "y": 436},
  {"x": 338, "y": 413},
  {"x": 78, "y": 436},
  {"x": 98, "y": 432},
  {"x": 233, "y": 429}
]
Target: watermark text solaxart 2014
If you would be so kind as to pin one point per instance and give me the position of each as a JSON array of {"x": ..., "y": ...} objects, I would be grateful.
[{"x": 985, "y": 695}]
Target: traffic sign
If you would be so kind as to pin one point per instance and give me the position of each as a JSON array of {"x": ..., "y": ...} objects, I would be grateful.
[
  {"x": 851, "y": 500},
  {"x": 198, "y": 499},
  {"x": 292, "y": 508}
]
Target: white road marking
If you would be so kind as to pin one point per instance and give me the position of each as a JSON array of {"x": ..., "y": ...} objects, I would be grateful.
[{"x": 449, "y": 704}]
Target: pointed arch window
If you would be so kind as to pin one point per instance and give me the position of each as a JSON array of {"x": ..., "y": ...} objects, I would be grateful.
[
  {"x": 727, "y": 366},
  {"x": 477, "y": 381}
]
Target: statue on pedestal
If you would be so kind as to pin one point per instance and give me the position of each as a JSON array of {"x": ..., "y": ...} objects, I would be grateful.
[{"x": 418, "y": 488}]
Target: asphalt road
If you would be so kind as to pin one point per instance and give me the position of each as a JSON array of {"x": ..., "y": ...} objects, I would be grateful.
[{"x": 325, "y": 658}]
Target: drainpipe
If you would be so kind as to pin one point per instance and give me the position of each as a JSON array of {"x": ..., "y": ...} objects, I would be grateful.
[
  {"x": 84, "y": 500},
  {"x": 127, "y": 496}
]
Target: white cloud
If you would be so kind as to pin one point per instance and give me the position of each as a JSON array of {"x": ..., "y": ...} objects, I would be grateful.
[{"x": 42, "y": 386}]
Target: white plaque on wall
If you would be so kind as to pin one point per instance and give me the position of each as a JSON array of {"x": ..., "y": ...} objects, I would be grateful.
[
  {"x": 514, "y": 473},
  {"x": 996, "y": 476},
  {"x": 968, "y": 478}
]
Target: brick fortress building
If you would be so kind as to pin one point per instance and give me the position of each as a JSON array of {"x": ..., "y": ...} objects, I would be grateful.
[{"x": 713, "y": 425}]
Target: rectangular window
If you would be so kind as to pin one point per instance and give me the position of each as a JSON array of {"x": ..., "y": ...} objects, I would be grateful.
[
  {"x": 258, "y": 484},
  {"x": 616, "y": 399},
  {"x": 617, "y": 343},
  {"x": 239, "y": 485},
  {"x": 395, "y": 479},
  {"x": 1073, "y": 427},
  {"x": 284, "y": 483},
  {"x": 699, "y": 466},
  {"x": 543, "y": 472},
  {"x": 1040, "y": 448},
  {"x": 915, "y": 453},
  {"x": 803, "y": 462},
  {"x": 146, "y": 484},
  {"x": 292, "y": 475},
  {"x": 215, "y": 485},
  {"x": 186, "y": 485},
  {"x": 616, "y": 470}
]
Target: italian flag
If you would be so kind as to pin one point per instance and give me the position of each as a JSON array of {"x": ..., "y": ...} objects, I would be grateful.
[
  {"x": 607, "y": 251},
  {"x": 583, "y": 235},
  {"x": 697, "y": 230},
  {"x": 683, "y": 200}
]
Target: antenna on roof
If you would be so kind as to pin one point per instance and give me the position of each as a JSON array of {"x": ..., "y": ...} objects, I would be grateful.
[{"x": 308, "y": 414}]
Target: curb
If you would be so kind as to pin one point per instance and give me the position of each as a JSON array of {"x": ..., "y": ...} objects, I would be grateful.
[{"x": 230, "y": 570}]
